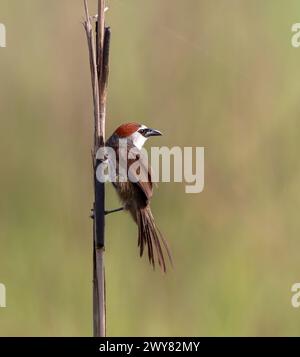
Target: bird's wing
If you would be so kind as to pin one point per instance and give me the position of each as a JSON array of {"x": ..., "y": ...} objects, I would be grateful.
[
  {"x": 139, "y": 173},
  {"x": 142, "y": 179}
]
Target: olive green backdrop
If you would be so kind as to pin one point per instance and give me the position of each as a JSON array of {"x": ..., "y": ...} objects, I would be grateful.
[{"x": 215, "y": 73}]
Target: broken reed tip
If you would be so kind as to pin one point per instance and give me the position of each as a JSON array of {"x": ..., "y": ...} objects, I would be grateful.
[{"x": 95, "y": 17}]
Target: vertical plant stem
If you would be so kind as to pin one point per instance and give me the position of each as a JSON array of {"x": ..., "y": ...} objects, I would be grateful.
[{"x": 99, "y": 64}]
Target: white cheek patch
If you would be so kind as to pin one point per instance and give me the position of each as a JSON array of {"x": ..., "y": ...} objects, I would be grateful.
[{"x": 138, "y": 140}]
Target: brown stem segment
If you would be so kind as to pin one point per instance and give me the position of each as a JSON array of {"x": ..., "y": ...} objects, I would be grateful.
[{"x": 99, "y": 63}]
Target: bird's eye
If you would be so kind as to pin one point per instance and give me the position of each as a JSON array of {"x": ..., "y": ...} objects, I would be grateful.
[{"x": 143, "y": 131}]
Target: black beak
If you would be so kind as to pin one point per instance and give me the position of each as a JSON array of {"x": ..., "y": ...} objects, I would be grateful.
[{"x": 152, "y": 132}]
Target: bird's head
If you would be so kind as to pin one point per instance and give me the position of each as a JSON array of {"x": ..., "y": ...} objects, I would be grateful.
[{"x": 137, "y": 133}]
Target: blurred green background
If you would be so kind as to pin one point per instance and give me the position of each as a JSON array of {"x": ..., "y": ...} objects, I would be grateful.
[{"x": 215, "y": 73}]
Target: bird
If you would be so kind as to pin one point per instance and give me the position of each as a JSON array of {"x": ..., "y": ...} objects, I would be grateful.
[{"x": 135, "y": 193}]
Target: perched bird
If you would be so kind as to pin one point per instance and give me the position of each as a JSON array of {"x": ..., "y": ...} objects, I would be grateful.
[{"x": 135, "y": 193}]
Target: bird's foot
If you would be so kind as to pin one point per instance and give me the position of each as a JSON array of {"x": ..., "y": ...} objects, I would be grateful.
[{"x": 114, "y": 210}]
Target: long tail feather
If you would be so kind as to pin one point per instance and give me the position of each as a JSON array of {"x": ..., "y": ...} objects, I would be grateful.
[{"x": 150, "y": 236}]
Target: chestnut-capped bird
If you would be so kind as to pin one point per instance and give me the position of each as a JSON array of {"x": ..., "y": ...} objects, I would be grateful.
[{"x": 135, "y": 194}]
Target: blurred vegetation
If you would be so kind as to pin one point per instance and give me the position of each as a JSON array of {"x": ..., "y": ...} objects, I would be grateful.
[{"x": 215, "y": 73}]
